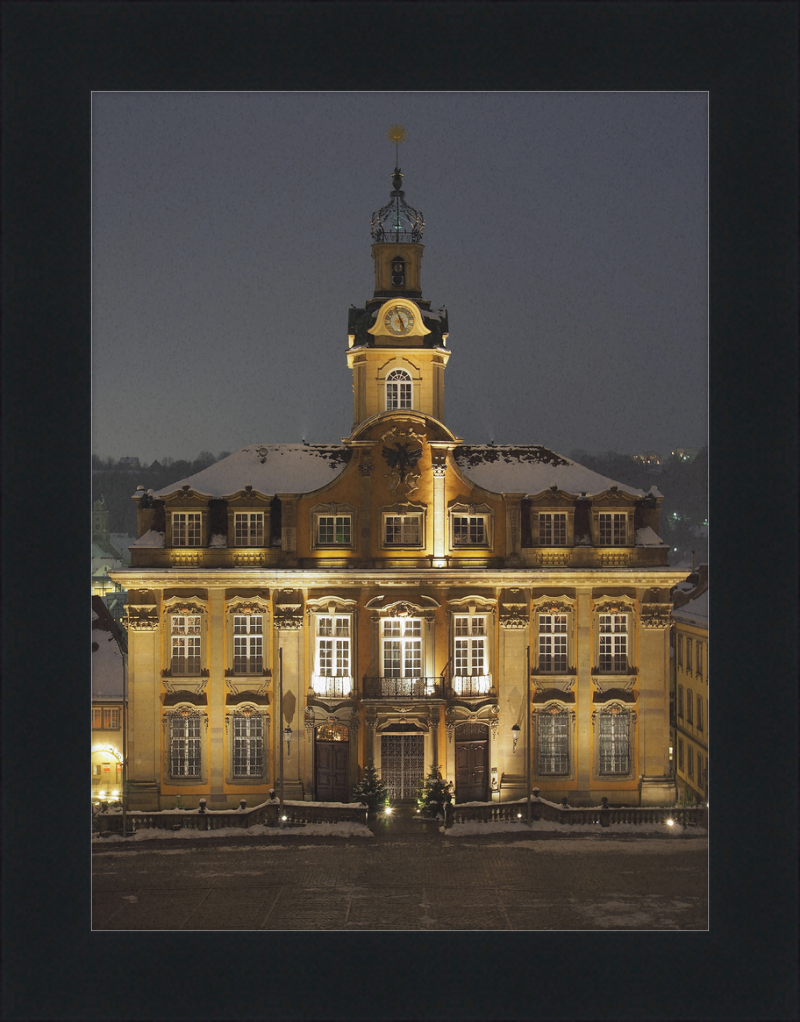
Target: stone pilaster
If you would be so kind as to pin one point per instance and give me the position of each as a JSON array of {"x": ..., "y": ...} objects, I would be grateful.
[
  {"x": 584, "y": 655},
  {"x": 215, "y": 645},
  {"x": 439, "y": 509}
]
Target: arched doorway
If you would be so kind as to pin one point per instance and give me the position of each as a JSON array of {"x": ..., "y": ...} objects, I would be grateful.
[
  {"x": 472, "y": 762},
  {"x": 332, "y": 762}
]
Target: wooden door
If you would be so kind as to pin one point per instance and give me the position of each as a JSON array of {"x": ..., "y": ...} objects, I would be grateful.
[
  {"x": 471, "y": 771},
  {"x": 333, "y": 771}
]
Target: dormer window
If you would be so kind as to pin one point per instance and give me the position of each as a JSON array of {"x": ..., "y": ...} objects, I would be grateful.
[
  {"x": 398, "y": 272},
  {"x": 552, "y": 529},
  {"x": 186, "y": 528},
  {"x": 613, "y": 529},
  {"x": 398, "y": 389},
  {"x": 249, "y": 528}
]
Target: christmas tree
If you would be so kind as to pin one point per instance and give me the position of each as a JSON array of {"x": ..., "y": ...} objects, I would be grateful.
[
  {"x": 434, "y": 795},
  {"x": 370, "y": 790}
]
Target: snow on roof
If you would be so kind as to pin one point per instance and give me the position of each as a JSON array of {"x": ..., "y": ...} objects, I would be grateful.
[
  {"x": 269, "y": 469},
  {"x": 151, "y": 538},
  {"x": 646, "y": 537},
  {"x": 695, "y": 612},
  {"x": 106, "y": 666},
  {"x": 530, "y": 469}
]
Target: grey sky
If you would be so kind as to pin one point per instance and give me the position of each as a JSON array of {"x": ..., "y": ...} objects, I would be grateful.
[{"x": 565, "y": 232}]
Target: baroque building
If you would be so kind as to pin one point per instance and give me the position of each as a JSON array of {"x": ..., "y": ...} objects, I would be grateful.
[
  {"x": 405, "y": 597},
  {"x": 690, "y": 616}
]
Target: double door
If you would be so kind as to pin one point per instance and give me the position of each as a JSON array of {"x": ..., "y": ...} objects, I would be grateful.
[
  {"x": 333, "y": 771},
  {"x": 471, "y": 772}
]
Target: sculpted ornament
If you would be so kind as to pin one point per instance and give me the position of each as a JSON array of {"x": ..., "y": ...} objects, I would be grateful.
[{"x": 141, "y": 618}]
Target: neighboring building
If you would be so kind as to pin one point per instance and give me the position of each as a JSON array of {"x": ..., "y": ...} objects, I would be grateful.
[
  {"x": 393, "y": 584},
  {"x": 109, "y": 648},
  {"x": 687, "y": 454},
  {"x": 129, "y": 462},
  {"x": 690, "y": 615},
  {"x": 105, "y": 557},
  {"x": 648, "y": 458}
]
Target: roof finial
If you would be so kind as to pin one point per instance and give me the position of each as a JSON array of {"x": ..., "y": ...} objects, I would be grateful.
[{"x": 397, "y": 134}]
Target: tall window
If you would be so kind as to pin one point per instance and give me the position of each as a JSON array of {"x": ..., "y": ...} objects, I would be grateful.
[
  {"x": 469, "y": 530},
  {"x": 690, "y": 761},
  {"x": 248, "y": 643},
  {"x": 699, "y": 664},
  {"x": 552, "y": 733},
  {"x": 185, "y": 643},
  {"x": 680, "y": 650},
  {"x": 186, "y": 528},
  {"x": 470, "y": 661},
  {"x": 552, "y": 642},
  {"x": 680, "y": 754},
  {"x": 680, "y": 701},
  {"x": 613, "y": 529},
  {"x": 111, "y": 717},
  {"x": 248, "y": 745},
  {"x": 97, "y": 717},
  {"x": 249, "y": 528},
  {"x": 403, "y": 530},
  {"x": 615, "y": 743},
  {"x": 699, "y": 713},
  {"x": 184, "y": 745},
  {"x": 333, "y": 655},
  {"x": 402, "y": 647},
  {"x": 398, "y": 389},
  {"x": 688, "y": 654},
  {"x": 613, "y": 642},
  {"x": 553, "y": 529},
  {"x": 333, "y": 529},
  {"x": 689, "y": 707}
]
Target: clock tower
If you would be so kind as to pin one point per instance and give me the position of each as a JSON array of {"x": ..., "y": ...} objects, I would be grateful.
[{"x": 397, "y": 343}]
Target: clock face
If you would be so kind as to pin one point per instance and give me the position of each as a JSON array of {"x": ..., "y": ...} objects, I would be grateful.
[{"x": 399, "y": 321}]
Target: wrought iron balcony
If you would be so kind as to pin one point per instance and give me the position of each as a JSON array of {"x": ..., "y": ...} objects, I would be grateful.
[
  {"x": 403, "y": 688},
  {"x": 472, "y": 685},
  {"x": 332, "y": 687}
]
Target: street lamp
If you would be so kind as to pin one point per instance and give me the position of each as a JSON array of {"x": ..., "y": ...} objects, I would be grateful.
[
  {"x": 287, "y": 737},
  {"x": 515, "y": 738}
]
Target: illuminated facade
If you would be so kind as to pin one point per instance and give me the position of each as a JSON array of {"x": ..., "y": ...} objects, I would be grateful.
[
  {"x": 691, "y": 688},
  {"x": 399, "y": 584},
  {"x": 109, "y": 647}
]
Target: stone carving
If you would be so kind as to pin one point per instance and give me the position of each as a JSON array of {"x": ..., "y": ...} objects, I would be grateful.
[
  {"x": 365, "y": 466},
  {"x": 513, "y": 615},
  {"x": 439, "y": 466},
  {"x": 656, "y": 615},
  {"x": 141, "y": 617}
]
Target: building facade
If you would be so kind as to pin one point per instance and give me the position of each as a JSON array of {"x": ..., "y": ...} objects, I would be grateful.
[
  {"x": 402, "y": 598},
  {"x": 691, "y": 688},
  {"x": 109, "y": 648}
]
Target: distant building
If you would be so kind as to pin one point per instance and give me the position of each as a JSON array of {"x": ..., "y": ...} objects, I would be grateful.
[
  {"x": 687, "y": 454},
  {"x": 128, "y": 462},
  {"x": 394, "y": 585},
  {"x": 691, "y": 657},
  {"x": 109, "y": 648},
  {"x": 649, "y": 458}
]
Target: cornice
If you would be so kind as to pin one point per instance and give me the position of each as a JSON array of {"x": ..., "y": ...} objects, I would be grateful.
[{"x": 310, "y": 578}]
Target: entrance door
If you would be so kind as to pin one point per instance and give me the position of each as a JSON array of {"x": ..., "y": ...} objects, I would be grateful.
[
  {"x": 402, "y": 765},
  {"x": 472, "y": 754},
  {"x": 333, "y": 771}
]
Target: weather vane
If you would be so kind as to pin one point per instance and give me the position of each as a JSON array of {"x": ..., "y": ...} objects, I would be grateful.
[{"x": 397, "y": 134}]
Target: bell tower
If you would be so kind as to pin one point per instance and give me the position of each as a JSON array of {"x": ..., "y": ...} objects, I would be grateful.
[{"x": 397, "y": 343}]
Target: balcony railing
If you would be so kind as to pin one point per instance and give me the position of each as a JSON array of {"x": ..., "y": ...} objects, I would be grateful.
[
  {"x": 332, "y": 688},
  {"x": 472, "y": 685},
  {"x": 403, "y": 688}
]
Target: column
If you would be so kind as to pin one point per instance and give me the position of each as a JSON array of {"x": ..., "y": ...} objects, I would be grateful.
[{"x": 215, "y": 638}]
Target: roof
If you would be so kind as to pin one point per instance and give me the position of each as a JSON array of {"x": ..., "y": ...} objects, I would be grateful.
[
  {"x": 532, "y": 469},
  {"x": 695, "y": 612},
  {"x": 269, "y": 469}
]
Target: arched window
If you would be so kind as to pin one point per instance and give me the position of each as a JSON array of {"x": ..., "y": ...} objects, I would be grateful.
[
  {"x": 398, "y": 272},
  {"x": 398, "y": 389}
]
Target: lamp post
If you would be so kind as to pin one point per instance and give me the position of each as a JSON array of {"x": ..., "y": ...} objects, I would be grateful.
[
  {"x": 280, "y": 719},
  {"x": 528, "y": 732},
  {"x": 124, "y": 742},
  {"x": 514, "y": 738}
]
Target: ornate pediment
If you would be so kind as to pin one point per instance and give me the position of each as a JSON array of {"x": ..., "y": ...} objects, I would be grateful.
[
  {"x": 656, "y": 615},
  {"x": 548, "y": 605},
  {"x": 185, "y": 605},
  {"x": 142, "y": 617},
  {"x": 614, "y": 605},
  {"x": 249, "y": 605}
]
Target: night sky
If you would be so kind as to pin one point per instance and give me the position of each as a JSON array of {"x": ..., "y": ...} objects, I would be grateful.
[{"x": 565, "y": 232}]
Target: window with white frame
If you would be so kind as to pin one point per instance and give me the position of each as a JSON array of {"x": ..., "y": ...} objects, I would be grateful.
[
  {"x": 248, "y": 643},
  {"x": 186, "y": 528},
  {"x": 470, "y": 530},
  {"x": 185, "y": 638},
  {"x": 613, "y": 642},
  {"x": 613, "y": 529},
  {"x": 184, "y": 745},
  {"x": 552, "y": 642},
  {"x": 248, "y": 745},
  {"x": 552, "y": 743},
  {"x": 402, "y": 530},
  {"x": 401, "y": 647},
  {"x": 248, "y": 528},
  {"x": 398, "y": 389},
  {"x": 614, "y": 737},
  {"x": 552, "y": 529},
  {"x": 470, "y": 655},
  {"x": 333, "y": 655},
  {"x": 334, "y": 530}
]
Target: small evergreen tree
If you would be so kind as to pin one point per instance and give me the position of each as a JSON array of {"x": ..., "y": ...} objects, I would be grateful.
[
  {"x": 370, "y": 790},
  {"x": 434, "y": 794}
]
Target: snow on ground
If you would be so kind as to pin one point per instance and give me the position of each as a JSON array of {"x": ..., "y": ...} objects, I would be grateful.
[
  {"x": 472, "y": 827},
  {"x": 309, "y": 830}
]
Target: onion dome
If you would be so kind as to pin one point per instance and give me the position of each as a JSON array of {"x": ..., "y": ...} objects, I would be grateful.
[{"x": 397, "y": 221}]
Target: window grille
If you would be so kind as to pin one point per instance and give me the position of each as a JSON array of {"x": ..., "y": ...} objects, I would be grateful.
[
  {"x": 403, "y": 530},
  {"x": 614, "y": 743},
  {"x": 185, "y": 643},
  {"x": 398, "y": 389},
  {"x": 613, "y": 642},
  {"x": 184, "y": 734},
  {"x": 186, "y": 528},
  {"x": 469, "y": 530},
  {"x": 248, "y": 643},
  {"x": 553, "y": 529},
  {"x": 333, "y": 529},
  {"x": 613, "y": 529},
  {"x": 552, "y": 642},
  {"x": 249, "y": 528},
  {"x": 248, "y": 746},
  {"x": 552, "y": 730},
  {"x": 402, "y": 648}
]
